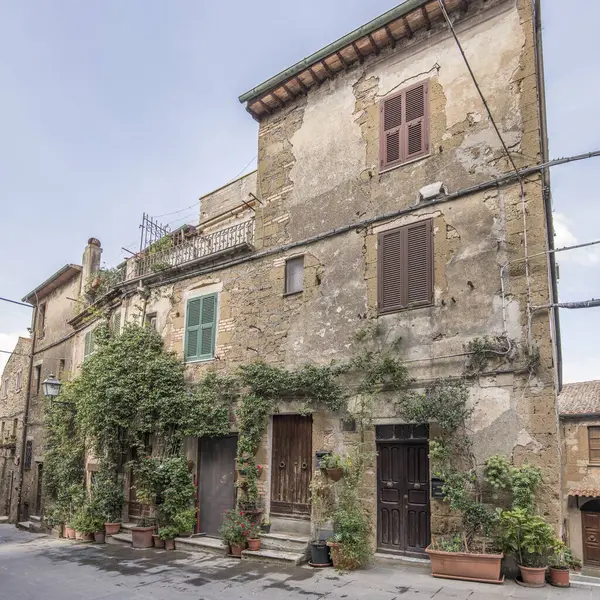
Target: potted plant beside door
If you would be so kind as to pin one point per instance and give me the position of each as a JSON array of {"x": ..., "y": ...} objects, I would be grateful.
[
  {"x": 333, "y": 465},
  {"x": 235, "y": 531}
]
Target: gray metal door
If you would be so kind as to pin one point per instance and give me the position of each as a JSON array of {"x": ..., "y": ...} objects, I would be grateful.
[{"x": 216, "y": 492}]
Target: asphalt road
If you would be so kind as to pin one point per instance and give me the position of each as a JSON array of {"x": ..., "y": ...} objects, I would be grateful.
[{"x": 34, "y": 567}]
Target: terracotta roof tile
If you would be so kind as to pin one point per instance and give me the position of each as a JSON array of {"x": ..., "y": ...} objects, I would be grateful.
[
  {"x": 580, "y": 398},
  {"x": 587, "y": 492}
]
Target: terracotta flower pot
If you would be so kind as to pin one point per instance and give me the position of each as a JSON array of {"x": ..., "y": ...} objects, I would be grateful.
[
  {"x": 236, "y": 550},
  {"x": 466, "y": 566},
  {"x": 335, "y": 474},
  {"x": 254, "y": 544},
  {"x": 69, "y": 533},
  {"x": 78, "y": 535},
  {"x": 339, "y": 560},
  {"x": 99, "y": 537},
  {"x": 142, "y": 537},
  {"x": 169, "y": 544},
  {"x": 112, "y": 528},
  {"x": 158, "y": 543},
  {"x": 534, "y": 576},
  {"x": 559, "y": 577},
  {"x": 87, "y": 537}
]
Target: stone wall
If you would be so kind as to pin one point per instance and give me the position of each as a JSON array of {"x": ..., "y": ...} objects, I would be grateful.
[
  {"x": 318, "y": 178},
  {"x": 12, "y": 409}
]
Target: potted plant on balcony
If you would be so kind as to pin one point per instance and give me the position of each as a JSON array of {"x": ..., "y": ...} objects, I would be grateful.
[{"x": 235, "y": 531}]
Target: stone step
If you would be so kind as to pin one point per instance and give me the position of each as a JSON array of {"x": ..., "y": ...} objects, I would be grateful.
[
  {"x": 35, "y": 519},
  {"x": 200, "y": 544},
  {"x": 3, "y": 519},
  {"x": 288, "y": 542},
  {"x": 584, "y": 581},
  {"x": 24, "y": 525},
  {"x": 127, "y": 527},
  {"x": 275, "y": 556},
  {"x": 123, "y": 539},
  {"x": 297, "y": 527}
]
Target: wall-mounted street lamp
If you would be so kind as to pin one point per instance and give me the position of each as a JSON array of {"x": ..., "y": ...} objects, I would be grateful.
[{"x": 51, "y": 387}]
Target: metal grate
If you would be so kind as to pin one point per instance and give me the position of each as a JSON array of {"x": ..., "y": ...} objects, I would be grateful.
[
  {"x": 231, "y": 238},
  {"x": 152, "y": 231},
  {"x": 28, "y": 454}
]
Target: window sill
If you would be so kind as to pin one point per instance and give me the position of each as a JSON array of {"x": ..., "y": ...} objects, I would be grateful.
[
  {"x": 288, "y": 294},
  {"x": 391, "y": 311},
  {"x": 197, "y": 360},
  {"x": 408, "y": 162},
  {"x": 593, "y": 464}
]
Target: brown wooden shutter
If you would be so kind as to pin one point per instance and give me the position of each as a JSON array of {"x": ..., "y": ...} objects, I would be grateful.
[
  {"x": 390, "y": 137},
  {"x": 390, "y": 270},
  {"x": 594, "y": 444},
  {"x": 419, "y": 267},
  {"x": 405, "y": 267},
  {"x": 404, "y": 125}
]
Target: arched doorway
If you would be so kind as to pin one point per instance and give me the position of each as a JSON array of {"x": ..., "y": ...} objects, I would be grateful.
[{"x": 590, "y": 523}]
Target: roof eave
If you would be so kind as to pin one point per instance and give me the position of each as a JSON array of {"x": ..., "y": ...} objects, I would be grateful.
[
  {"x": 395, "y": 13},
  {"x": 68, "y": 269}
]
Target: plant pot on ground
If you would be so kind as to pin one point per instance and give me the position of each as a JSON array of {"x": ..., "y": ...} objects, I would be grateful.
[
  {"x": 141, "y": 534},
  {"x": 99, "y": 537},
  {"x": 254, "y": 539},
  {"x": 69, "y": 533},
  {"x": 265, "y": 526},
  {"x": 559, "y": 576},
  {"x": 561, "y": 562},
  {"x": 112, "y": 528},
  {"x": 170, "y": 544},
  {"x": 465, "y": 565},
  {"x": 235, "y": 530},
  {"x": 530, "y": 540},
  {"x": 320, "y": 555},
  {"x": 158, "y": 543}
]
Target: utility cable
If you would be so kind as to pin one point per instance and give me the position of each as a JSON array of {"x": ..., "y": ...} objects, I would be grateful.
[{"x": 508, "y": 156}]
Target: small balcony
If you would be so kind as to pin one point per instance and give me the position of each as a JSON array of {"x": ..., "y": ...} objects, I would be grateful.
[{"x": 183, "y": 252}]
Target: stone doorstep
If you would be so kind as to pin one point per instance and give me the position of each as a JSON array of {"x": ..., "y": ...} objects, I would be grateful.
[
  {"x": 24, "y": 525},
  {"x": 123, "y": 539},
  {"x": 3, "y": 520},
  {"x": 382, "y": 557},
  {"x": 126, "y": 527},
  {"x": 584, "y": 581},
  {"x": 288, "y": 542},
  {"x": 200, "y": 544},
  {"x": 277, "y": 556},
  {"x": 35, "y": 519}
]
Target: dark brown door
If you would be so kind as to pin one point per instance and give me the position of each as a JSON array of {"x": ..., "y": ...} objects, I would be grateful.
[
  {"x": 38, "y": 491},
  {"x": 402, "y": 497},
  {"x": 291, "y": 465},
  {"x": 591, "y": 538},
  {"x": 216, "y": 491},
  {"x": 136, "y": 509}
]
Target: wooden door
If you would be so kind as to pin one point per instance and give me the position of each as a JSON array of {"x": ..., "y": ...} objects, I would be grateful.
[
  {"x": 38, "y": 491},
  {"x": 136, "y": 509},
  {"x": 591, "y": 538},
  {"x": 291, "y": 465},
  {"x": 216, "y": 478},
  {"x": 403, "y": 497}
]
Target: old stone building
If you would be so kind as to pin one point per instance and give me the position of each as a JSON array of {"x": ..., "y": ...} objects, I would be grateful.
[
  {"x": 579, "y": 405},
  {"x": 383, "y": 199},
  {"x": 13, "y": 390}
]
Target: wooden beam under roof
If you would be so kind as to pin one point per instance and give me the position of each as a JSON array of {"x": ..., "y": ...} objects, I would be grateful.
[
  {"x": 342, "y": 60},
  {"x": 302, "y": 85},
  {"x": 264, "y": 105},
  {"x": 376, "y": 48},
  {"x": 288, "y": 91},
  {"x": 252, "y": 113},
  {"x": 327, "y": 69},
  {"x": 390, "y": 35},
  {"x": 317, "y": 79},
  {"x": 407, "y": 26},
  {"x": 359, "y": 54},
  {"x": 426, "y": 17},
  {"x": 279, "y": 101}
]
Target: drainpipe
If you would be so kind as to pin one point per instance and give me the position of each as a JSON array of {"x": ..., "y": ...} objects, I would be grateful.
[{"x": 26, "y": 412}]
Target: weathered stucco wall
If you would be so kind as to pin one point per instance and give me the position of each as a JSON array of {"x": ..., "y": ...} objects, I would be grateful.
[{"x": 318, "y": 170}]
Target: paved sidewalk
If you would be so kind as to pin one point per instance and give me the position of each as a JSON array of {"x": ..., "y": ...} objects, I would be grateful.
[{"x": 34, "y": 567}]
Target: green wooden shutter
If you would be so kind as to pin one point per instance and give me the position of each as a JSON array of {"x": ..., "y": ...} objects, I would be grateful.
[
  {"x": 87, "y": 344},
  {"x": 200, "y": 328},
  {"x": 116, "y": 324}
]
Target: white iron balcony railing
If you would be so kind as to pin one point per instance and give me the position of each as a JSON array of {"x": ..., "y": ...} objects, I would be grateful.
[{"x": 231, "y": 239}]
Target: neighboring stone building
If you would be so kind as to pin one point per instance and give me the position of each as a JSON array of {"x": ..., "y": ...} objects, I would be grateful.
[
  {"x": 579, "y": 405},
  {"x": 383, "y": 198},
  {"x": 13, "y": 391}
]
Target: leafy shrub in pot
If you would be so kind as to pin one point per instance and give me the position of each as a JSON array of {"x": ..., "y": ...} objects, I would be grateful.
[{"x": 235, "y": 530}]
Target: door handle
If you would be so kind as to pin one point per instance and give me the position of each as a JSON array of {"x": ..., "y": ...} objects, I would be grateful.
[
  {"x": 417, "y": 486},
  {"x": 281, "y": 465},
  {"x": 389, "y": 484}
]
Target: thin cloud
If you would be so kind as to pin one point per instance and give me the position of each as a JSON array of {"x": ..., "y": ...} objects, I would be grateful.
[{"x": 564, "y": 236}]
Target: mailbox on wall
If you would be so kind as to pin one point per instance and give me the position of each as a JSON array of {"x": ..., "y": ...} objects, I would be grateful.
[{"x": 437, "y": 488}]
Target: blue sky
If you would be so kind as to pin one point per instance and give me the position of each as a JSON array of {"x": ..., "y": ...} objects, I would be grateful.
[{"x": 111, "y": 109}]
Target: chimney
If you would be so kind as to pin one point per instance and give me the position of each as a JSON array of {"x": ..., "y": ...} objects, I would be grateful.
[{"x": 90, "y": 263}]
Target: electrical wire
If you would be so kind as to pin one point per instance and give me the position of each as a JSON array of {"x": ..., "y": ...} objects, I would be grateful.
[{"x": 508, "y": 156}]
